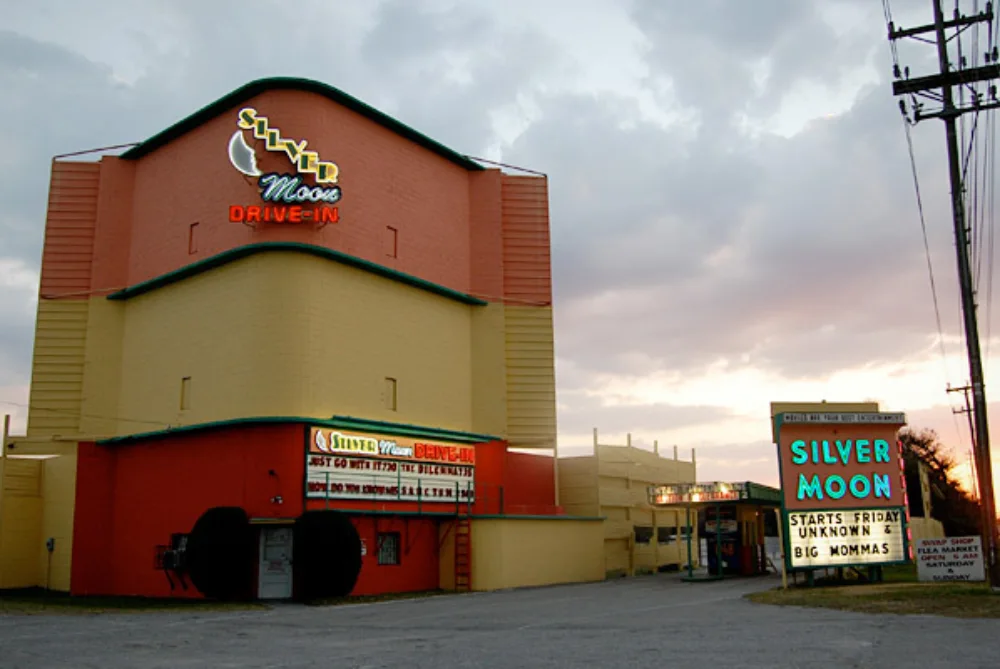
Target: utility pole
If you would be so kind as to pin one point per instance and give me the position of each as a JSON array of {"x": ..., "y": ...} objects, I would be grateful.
[
  {"x": 944, "y": 81},
  {"x": 965, "y": 390}
]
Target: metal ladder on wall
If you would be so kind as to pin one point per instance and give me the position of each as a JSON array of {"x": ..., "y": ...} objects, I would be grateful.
[{"x": 463, "y": 554}]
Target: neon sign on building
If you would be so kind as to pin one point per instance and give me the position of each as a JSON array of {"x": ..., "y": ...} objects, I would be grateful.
[{"x": 286, "y": 197}]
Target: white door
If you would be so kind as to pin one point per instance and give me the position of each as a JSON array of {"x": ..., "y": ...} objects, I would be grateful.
[{"x": 275, "y": 563}]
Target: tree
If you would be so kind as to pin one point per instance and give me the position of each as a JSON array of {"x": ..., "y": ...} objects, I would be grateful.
[{"x": 950, "y": 504}]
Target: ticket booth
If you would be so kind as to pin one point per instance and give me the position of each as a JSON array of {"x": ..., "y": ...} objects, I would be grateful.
[{"x": 733, "y": 519}]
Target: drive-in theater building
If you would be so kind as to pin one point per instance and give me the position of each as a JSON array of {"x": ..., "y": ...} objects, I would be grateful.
[{"x": 285, "y": 348}]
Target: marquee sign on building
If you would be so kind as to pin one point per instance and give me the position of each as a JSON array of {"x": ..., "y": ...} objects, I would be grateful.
[
  {"x": 843, "y": 487},
  {"x": 348, "y": 465}
]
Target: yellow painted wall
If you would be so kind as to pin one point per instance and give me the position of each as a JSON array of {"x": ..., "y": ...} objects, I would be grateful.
[
  {"x": 521, "y": 552},
  {"x": 102, "y": 383},
  {"x": 58, "y": 501},
  {"x": 20, "y": 522},
  {"x": 285, "y": 333},
  {"x": 531, "y": 384},
  {"x": 489, "y": 370},
  {"x": 58, "y": 367}
]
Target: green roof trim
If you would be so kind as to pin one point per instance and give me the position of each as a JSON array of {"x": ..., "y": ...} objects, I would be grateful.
[
  {"x": 337, "y": 422},
  {"x": 321, "y": 252},
  {"x": 463, "y": 514},
  {"x": 513, "y": 516},
  {"x": 258, "y": 86},
  {"x": 406, "y": 430}
]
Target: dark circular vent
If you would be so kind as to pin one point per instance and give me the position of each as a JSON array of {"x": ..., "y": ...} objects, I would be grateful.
[
  {"x": 221, "y": 554},
  {"x": 327, "y": 552}
]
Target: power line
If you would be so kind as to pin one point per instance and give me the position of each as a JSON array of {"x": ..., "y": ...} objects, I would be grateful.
[
  {"x": 940, "y": 88},
  {"x": 887, "y": 10}
]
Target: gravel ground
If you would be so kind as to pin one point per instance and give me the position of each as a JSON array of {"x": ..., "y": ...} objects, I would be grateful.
[{"x": 642, "y": 622}]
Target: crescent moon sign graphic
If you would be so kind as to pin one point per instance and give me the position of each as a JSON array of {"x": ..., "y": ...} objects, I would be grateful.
[{"x": 242, "y": 156}]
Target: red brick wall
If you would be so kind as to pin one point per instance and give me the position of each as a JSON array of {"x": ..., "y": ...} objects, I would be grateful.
[
  {"x": 486, "y": 225},
  {"x": 386, "y": 181},
  {"x": 114, "y": 231}
]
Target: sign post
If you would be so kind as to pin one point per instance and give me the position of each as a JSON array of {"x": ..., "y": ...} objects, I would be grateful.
[
  {"x": 844, "y": 498},
  {"x": 690, "y": 566}
]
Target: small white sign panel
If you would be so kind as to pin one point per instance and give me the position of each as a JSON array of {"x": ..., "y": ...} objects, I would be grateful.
[
  {"x": 842, "y": 538},
  {"x": 851, "y": 417},
  {"x": 950, "y": 559}
]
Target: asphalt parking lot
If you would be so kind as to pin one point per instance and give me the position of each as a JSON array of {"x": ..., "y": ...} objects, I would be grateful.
[{"x": 642, "y": 622}]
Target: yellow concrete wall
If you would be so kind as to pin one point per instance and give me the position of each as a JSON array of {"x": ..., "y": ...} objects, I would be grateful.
[
  {"x": 58, "y": 367},
  {"x": 20, "y": 522},
  {"x": 285, "y": 333},
  {"x": 531, "y": 381},
  {"x": 58, "y": 503},
  {"x": 489, "y": 370},
  {"x": 511, "y": 553},
  {"x": 102, "y": 383}
]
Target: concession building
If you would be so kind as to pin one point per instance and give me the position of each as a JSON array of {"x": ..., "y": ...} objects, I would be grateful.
[{"x": 289, "y": 305}]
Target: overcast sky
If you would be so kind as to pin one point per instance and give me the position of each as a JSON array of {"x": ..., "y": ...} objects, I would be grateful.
[{"x": 732, "y": 208}]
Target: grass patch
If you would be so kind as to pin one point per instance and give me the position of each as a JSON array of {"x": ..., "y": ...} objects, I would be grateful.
[
  {"x": 35, "y": 602},
  {"x": 900, "y": 573},
  {"x": 955, "y": 600},
  {"x": 368, "y": 599}
]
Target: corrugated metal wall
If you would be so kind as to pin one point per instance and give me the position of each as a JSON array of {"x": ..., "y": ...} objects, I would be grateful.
[
  {"x": 529, "y": 340},
  {"x": 61, "y": 331},
  {"x": 527, "y": 265},
  {"x": 613, "y": 483}
]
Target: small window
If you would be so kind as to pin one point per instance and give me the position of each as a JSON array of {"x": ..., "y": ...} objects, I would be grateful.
[
  {"x": 391, "y": 241},
  {"x": 388, "y": 548},
  {"x": 390, "y": 393},
  {"x": 643, "y": 535},
  {"x": 666, "y": 535},
  {"x": 185, "y": 393},
  {"x": 192, "y": 238}
]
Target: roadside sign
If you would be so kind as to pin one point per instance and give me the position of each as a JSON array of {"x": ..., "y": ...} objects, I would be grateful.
[{"x": 950, "y": 559}]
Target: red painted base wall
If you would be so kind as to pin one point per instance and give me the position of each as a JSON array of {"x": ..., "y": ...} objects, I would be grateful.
[
  {"x": 418, "y": 556},
  {"x": 132, "y": 496}
]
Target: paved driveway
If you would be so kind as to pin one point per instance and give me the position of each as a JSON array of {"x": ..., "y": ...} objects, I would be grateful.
[{"x": 653, "y": 621}]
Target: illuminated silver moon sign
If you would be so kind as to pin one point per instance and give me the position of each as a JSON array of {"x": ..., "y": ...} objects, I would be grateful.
[{"x": 242, "y": 156}]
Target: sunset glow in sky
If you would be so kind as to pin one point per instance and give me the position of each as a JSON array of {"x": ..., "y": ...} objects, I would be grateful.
[{"x": 733, "y": 214}]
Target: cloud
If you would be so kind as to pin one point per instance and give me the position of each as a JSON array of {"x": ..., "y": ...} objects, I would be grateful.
[
  {"x": 801, "y": 256},
  {"x": 730, "y": 185},
  {"x": 581, "y": 413}
]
